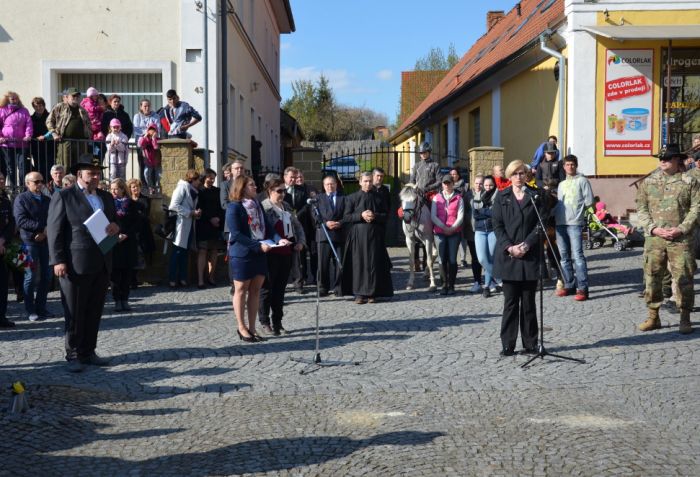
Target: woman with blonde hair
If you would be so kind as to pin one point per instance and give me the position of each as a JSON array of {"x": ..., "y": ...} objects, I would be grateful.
[
  {"x": 16, "y": 130},
  {"x": 517, "y": 258}
]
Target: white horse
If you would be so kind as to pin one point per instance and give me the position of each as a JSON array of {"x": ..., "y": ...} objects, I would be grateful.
[{"x": 417, "y": 225}]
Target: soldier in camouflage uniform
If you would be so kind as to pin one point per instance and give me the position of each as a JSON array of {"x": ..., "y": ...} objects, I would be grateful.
[{"x": 668, "y": 202}]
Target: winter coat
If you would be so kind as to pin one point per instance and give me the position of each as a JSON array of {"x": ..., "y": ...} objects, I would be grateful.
[
  {"x": 120, "y": 114},
  {"x": 119, "y": 153},
  {"x": 16, "y": 124},
  {"x": 151, "y": 153},
  {"x": 482, "y": 211},
  {"x": 183, "y": 205},
  {"x": 514, "y": 223},
  {"x": 95, "y": 112}
]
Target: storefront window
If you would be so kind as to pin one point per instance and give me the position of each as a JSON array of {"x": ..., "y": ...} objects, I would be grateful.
[{"x": 684, "y": 121}]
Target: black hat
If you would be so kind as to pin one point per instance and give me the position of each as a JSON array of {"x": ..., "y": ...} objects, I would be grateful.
[
  {"x": 550, "y": 147},
  {"x": 86, "y": 161},
  {"x": 447, "y": 179},
  {"x": 671, "y": 151}
]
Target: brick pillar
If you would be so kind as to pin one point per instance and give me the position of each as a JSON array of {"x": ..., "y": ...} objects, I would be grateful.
[
  {"x": 177, "y": 158},
  {"x": 309, "y": 161},
  {"x": 482, "y": 160}
]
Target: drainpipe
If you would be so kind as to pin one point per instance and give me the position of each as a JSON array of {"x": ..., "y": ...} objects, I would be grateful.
[
  {"x": 562, "y": 89},
  {"x": 207, "y": 160}
]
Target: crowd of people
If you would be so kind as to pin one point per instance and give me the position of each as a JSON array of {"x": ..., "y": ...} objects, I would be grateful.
[
  {"x": 289, "y": 233},
  {"x": 94, "y": 123}
]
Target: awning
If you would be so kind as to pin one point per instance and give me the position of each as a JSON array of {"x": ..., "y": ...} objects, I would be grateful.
[{"x": 646, "y": 32}]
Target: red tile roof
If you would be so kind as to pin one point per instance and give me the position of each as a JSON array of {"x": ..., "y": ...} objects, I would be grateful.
[
  {"x": 515, "y": 30},
  {"x": 416, "y": 86}
]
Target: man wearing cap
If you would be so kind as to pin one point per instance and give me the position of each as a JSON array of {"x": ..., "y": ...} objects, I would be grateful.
[
  {"x": 668, "y": 203},
  {"x": 426, "y": 174},
  {"x": 539, "y": 152},
  {"x": 550, "y": 172},
  {"x": 83, "y": 270},
  {"x": 68, "y": 120},
  {"x": 447, "y": 213}
]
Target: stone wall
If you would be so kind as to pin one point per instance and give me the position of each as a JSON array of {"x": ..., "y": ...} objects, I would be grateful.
[
  {"x": 482, "y": 159},
  {"x": 309, "y": 161}
]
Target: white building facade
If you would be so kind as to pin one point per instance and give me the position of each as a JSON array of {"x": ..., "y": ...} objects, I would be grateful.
[{"x": 141, "y": 49}]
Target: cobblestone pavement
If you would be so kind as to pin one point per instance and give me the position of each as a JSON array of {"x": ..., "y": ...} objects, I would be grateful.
[{"x": 430, "y": 395}]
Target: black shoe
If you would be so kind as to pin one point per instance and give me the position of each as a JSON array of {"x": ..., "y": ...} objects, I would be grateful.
[
  {"x": 283, "y": 331},
  {"x": 94, "y": 360},
  {"x": 276, "y": 332},
  {"x": 486, "y": 293},
  {"x": 7, "y": 323},
  {"x": 258, "y": 338},
  {"x": 322, "y": 293},
  {"x": 118, "y": 305},
  {"x": 125, "y": 305},
  {"x": 247, "y": 339},
  {"x": 46, "y": 314},
  {"x": 443, "y": 291},
  {"x": 532, "y": 350},
  {"x": 267, "y": 329},
  {"x": 202, "y": 286},
  {"x": 507, "y": 352},
  {"x": 75, "y": 366}
]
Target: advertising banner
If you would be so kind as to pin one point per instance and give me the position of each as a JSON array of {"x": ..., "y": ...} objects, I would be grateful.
[{"x": 629, "y": 100}]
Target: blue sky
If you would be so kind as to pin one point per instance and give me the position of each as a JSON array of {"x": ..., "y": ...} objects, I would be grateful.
[{"x": 362, "y": 46}]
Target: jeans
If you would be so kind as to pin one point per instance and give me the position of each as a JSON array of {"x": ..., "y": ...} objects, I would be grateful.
[
  {"x": 485, "y": 248},
  {"x": 37, "y": 279},
  {"x": 447, "y": 247},
  {"x": 152, "y": 176},
  {"x": 177, "y": 269},
  {"x": 570, "y": 244},
  {"x": 14, "y": 165}
]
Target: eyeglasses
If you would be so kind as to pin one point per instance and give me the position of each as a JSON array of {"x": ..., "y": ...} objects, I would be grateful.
[{"x": 665, "y": 159}]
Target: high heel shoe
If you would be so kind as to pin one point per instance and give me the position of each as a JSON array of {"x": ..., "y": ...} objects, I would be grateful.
[
  {"x": 247, "y": 339},
  {"x": 257, "y": 337}
]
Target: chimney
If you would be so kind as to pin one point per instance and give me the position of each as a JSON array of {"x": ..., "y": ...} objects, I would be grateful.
[{"x": 493, "y": 17}]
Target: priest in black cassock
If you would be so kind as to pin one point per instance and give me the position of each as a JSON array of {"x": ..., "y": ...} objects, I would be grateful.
[{"x": 366, "y": 265}]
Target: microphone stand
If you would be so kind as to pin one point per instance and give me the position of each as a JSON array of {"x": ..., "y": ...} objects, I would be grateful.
[
  {"x": 315, "y": 363},
  {"x": 541, "y": 351}
]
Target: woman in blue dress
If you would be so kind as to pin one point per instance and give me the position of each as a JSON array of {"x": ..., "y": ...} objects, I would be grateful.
[{"x": 248, "y": 228}]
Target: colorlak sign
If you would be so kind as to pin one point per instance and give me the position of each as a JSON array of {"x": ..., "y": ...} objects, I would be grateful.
[{"x": 628, "y": 102}]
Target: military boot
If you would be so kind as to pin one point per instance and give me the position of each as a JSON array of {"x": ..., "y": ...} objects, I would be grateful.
[
  {"x": 651, "y": 323},
  {"x": 685, "y": 327}
]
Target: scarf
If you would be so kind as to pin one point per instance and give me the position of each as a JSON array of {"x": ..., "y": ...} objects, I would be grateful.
[
  {"x": 255, "y": 219},
  {"x": 122, "y": 205}
]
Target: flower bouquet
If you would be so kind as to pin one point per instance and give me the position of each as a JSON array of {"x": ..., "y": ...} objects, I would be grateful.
[{"x": 17, "y": 257}]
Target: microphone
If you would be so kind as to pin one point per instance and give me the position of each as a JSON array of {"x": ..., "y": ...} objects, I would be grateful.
[
  {"x": 532, "y": 193},
  {"x": 312, "y": 201}
]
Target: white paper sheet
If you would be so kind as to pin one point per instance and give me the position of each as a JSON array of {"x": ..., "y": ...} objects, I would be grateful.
[{"x": 97, "y": 225}]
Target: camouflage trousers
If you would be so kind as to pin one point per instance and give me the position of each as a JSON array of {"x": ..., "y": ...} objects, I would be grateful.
[{"x": 661, "y": 255}]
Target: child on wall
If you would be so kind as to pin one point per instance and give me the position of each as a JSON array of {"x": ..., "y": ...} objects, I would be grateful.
[
  {"x": 117, "y": 150},
  {"x": 152, "y": 161}
]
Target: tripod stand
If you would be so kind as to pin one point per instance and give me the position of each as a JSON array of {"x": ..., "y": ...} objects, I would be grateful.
[
  {"x": 541, "y": 351},
  {"x": 313, "y": 364}
]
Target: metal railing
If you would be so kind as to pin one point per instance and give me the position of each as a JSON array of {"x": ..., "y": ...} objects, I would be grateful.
[{"x": 41, "y": 155}]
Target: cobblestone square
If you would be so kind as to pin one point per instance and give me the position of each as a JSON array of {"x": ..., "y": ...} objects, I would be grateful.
[{"x": 430, "y": 395}]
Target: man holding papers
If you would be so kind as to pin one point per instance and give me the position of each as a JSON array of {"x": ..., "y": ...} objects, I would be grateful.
[{"x": 82, "y": 265}]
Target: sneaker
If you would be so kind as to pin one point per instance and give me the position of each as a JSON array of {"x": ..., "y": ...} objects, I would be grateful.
[
  {"x": 267, "y": 329},
  {"x": 564, "y": 291},
  {"x": 581, "y": 295},
  {"x": 464, "y": 263},
  {"x": 493, "y": 289},
  {"x": 33, "y": 317},
  {"x": 486, "y": 293},
  {"x": 476, "y": 288}
]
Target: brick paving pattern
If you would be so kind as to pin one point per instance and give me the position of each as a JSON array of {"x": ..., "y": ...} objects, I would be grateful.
[{"x": 430, "y": 396}]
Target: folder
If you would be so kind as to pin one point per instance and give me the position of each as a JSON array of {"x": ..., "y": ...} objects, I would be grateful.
[{"x": 96, "y": 225}]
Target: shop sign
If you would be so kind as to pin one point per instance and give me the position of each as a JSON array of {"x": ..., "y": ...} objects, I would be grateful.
[{"x": 628, "y": 102}]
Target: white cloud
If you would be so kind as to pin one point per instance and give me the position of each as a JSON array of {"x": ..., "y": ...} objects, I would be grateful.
[
  {"x": 339, "y": 80},
  {"x": 384, "y": 75}
]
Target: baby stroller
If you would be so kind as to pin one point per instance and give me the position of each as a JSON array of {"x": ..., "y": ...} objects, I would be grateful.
[{"x": 597, "y": 233}]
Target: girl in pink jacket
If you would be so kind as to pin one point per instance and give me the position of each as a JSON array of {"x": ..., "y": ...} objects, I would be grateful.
[
  {"x": 152, "y": 165},
  {"x": 16, "y": 131},
  {"x": 95, "y": 111}
]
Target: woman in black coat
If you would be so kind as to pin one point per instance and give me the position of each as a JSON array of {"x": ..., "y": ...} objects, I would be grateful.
[
  {"x": 516, "y": 259},
  {"x": 7, "y": 232},
  {"x": 125, "y": 251}
]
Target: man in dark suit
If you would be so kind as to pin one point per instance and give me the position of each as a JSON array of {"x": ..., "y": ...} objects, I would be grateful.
[
  {"x": 331, "y": 206},
  {"x": 296, "y": 197},
  {"x": 83, "y": 270}
]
